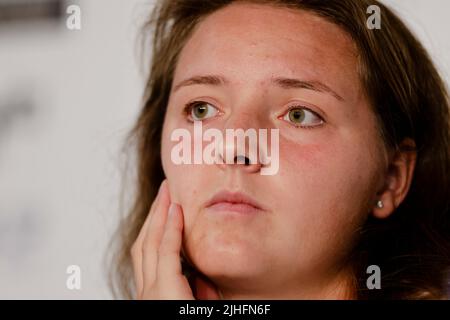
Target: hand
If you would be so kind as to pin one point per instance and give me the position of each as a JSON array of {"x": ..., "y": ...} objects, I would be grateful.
[{"x": 156, "y": 255}]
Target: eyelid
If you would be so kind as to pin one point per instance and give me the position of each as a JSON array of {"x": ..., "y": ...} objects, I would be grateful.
[
  {"x": 299, "y": 106},
  {"x": 188, "y": 109}
]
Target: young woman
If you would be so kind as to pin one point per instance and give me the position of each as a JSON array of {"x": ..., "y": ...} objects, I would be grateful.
[{"x": 364, "y": 157}]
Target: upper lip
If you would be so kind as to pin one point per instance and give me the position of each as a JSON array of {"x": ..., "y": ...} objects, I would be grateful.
[{"x": 233, "y": 197}]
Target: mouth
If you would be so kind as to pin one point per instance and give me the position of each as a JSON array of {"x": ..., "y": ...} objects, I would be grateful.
[{"x": 236, "y": 202}]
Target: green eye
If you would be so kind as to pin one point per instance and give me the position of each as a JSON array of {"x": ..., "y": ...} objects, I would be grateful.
[
  {"x": 296, "y": 115},
  {"x": 198, "y": 111},
  {"x": 303, "y": 117}
]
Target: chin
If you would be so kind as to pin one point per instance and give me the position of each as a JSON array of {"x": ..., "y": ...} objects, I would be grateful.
[{"x": 226, "y": 259}]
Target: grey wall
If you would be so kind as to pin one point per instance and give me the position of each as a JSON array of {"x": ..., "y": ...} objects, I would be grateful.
[{"x": 66, "y": 100}]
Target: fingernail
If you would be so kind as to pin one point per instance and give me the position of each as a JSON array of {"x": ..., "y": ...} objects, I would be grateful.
[
  {"x": 161, "y": 186},
  {"x": 172, "y": 209}
]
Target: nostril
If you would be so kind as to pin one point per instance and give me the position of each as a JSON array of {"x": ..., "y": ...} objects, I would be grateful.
[{"x": 242, "y": 160}]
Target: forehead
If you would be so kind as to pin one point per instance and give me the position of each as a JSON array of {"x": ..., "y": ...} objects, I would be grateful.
[{"x": 252, "y": 42}]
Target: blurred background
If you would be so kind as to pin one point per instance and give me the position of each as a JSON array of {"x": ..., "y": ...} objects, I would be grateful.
[{"x": 68, "y": 97}]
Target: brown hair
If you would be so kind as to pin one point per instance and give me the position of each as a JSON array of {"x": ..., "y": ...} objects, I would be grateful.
[{"x": 409, "y": 98}]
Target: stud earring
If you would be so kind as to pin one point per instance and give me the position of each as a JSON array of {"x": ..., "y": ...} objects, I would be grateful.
[{"x": 380, "y": 204}]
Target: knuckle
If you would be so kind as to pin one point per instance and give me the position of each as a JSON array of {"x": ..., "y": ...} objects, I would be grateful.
[
  {"x": 147, "y": 246},
  {"x": 163, "y": 249},
  {"x": 167, "y": 253},
  {"x": 149, "y": 293}
]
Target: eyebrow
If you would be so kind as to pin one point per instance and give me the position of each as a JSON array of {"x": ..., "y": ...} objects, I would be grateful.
[{"x": 282, "y": 82}]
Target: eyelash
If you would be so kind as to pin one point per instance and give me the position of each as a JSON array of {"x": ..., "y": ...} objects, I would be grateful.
[
  {"x": 189, "y": 106},
  {"x": 308, "y": 109},
  {"x": 188, "y": 109}
]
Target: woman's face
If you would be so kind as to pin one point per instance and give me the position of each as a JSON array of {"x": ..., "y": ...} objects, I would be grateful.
[{"x": 331, "y": 158}]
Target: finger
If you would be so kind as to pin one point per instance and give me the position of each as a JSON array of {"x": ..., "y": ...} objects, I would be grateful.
[
  {"x": 153, "y": 235},
  {"x": 136, "y": 250},
  {"x": 169, "y": 262},
  {"x": 144, "y": 228}
]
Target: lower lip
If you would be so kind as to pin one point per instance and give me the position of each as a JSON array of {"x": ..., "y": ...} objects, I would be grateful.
[{"x": 234, "y": 207}]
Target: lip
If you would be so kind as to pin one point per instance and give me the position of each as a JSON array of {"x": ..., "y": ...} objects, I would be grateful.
[{"x": 235, "y": 202}]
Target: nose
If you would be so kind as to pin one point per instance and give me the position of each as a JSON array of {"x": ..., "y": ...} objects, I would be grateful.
[
  {"x": 244, "y": 161},
  {"x": 241, "y": 149}
]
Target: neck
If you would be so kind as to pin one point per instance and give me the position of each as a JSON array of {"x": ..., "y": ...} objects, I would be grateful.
[{"x": 337, "y": 287}]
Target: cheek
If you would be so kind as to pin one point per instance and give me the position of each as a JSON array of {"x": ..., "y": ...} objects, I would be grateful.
[
  {"x": 342, "y": 165},
  {"x": 185, "y": 181},
  {"x": 329, "y": 186},
  {"x": 177, "y": 175},
  {"x": 293, "y": 155},
  {"x": 304, "y": 167}
]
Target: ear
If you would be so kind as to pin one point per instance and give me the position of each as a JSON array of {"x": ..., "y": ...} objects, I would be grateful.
[{"x": 397, "y": 179}]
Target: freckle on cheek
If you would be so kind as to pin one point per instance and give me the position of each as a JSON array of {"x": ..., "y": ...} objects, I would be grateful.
[{"x": 304, "y": 154}]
